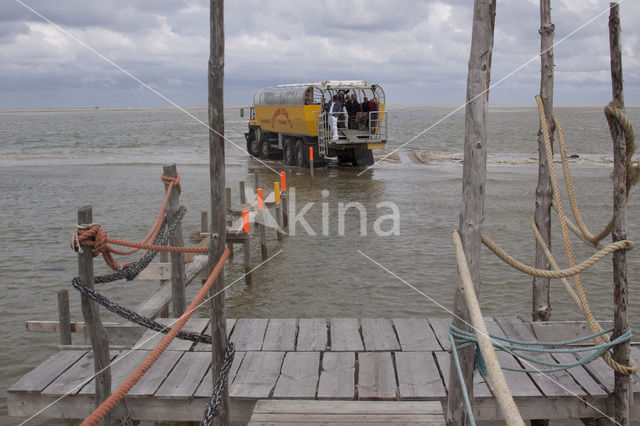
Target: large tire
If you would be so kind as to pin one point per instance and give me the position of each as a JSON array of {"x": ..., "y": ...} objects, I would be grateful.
[
  {"x": 264, "y": 149},
  {"x": 289, "y": 153},
  {"x": 363, "y": 157},
  {"x": 301, "y": 155},
  {"x": 253, "y": 145}
]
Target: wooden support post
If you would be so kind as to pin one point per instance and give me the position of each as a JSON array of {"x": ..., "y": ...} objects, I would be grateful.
[
  {"x": 255, "y": 180},
  {"x": 228, "y": 198},
  {"x": 164, "y": 258},
  {"x": 204, "y": 222},
  {"x": 218, "y": 207},
  {"x": 473, "y": 194},
  {"x": 311, "y": 161},
  {"x": 64, "y": 317},
  {"x": 276, "y": 192},
  {"x": 541, "y": 309},
  {"x": 285, "y": 200},
  {"x": 620, "y": 292},
  {"x": 261, "y": 225},
  {"x": 97, "y": 332},
  {"x": 247, "y": 261},
  {"x": 243, "y": 195},
  {"x": 229, "y": 222},
  {"x": 177, "y": 259}
]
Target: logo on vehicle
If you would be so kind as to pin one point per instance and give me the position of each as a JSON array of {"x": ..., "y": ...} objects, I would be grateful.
[{"x": 283, "y": 112}]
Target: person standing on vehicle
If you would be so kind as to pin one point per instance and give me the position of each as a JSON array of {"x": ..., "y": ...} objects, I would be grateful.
[{"x": 334, "y": 112}]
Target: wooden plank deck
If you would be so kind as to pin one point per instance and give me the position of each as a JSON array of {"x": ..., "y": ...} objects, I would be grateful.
[{"x": 342, "y": 360}]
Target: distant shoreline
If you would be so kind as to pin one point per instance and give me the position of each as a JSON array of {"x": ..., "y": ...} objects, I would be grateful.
[{"x": 152, "y": 108}]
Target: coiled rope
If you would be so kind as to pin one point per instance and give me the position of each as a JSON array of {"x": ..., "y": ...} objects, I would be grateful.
[{"x": 106, "y": 406}]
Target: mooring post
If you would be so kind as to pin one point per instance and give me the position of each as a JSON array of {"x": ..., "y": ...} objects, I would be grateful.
[
  {"x": 218, "y": 207},
  {"x": 64, "y": 317},
  {"x": 229, "y": 220},
  {"x": 276, "y": 193},
  {"x": 261, "y": 219},
  {"x": 243, "y": 195},
  {"x": 620, "y": 293},
  {"x": 97, "y": 332},
  {"x": 285, "y": 200},
  {"x": 177, "y": 259},
  {"x": 473, "y": 195},
  {"x": 311, "y": 161},
  {"x": 541, "y": 309},
  {"x": 246, "y": 228}
]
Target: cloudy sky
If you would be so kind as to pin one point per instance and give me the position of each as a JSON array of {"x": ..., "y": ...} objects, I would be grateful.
[{"x": 417, "y": 50}]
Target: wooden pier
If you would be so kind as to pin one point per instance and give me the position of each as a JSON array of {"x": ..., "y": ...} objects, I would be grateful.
[{"x": 285, "y": 368}]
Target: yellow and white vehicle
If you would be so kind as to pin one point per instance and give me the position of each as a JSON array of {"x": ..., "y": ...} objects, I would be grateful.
[{"x": 286, "y": 120}]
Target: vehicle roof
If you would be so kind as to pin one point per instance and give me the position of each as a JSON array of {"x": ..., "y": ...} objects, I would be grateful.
[{"x": 334, "y": 84}]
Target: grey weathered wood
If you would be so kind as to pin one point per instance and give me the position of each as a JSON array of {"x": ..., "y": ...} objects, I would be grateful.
[
  {"x": 178, "y": 299},
  {"x": 156, "y": 375},
  {"x": 474, "y": 172},
  {"x": 257, "y": 375},
  {"x": 337, "y": 376},
  {"x": 415, "y": 334},
  {"x": 298, "y": 376},
  {"x": 280, "y": 228},
  {"x": 280, "y": 335},
  {"x": 247, "y": 261},
  {"x": 79, "y": 374},
  {"x": 378, "y": 335},
  {"x": 151, "y": 338},
  {"x": 441, "y": 330},
  {"x": 186, "y": 376},
  {"x": 619, "y": 231},
  {"x": 557, "y": 331},
  {"x": 64, "y": 317},
  {"x": 480, "y": 385},
  {"x": 557, "y": 383},
  {"x": 204, "y": 221},
  {"x": 262, "y": 230},
  {"x": 248, "y": 333},
  {"x": 345, "y": 334},
  {"x": 164, "y": 312},
  {"x": 376, "y": 376},
  {"x": 40, "y": 377},
  {"x": 243, "y": 195},
  {"x": 206, "y": 346},
  {"x": 541, "y": 309},
  {"x": 284, "y": 199},
  {"x": 206, "y": 386},
  {"x": 312, "y": 334},
  {"x": 418, "y": 376}
]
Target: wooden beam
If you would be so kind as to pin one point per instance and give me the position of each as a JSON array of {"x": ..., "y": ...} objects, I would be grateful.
[
  {"x": 218, "y": 201},
  {"x": 621, "y": 352},
  {"x": 473, "y": 192},
  {"x": 64, "y": 317},
  {"x": 177, "y": 259}
]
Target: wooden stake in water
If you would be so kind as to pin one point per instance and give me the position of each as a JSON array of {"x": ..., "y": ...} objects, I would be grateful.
[
  {"x": 247, "y": 246},
  {"x": 261, "y": 224},
  {"x": 177, "y": 259},
  {"x": 64, "y": 317},
  {"x": 276, "y": 191},
  {"x": 311, "y": 161},
  {"x": 285, "y": 199}
]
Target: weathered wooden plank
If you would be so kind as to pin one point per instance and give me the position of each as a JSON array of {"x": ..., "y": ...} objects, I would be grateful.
[
  {"x": 312, "y": 334},
  {"x": 156, "y": 375},
  {"x": 299, "y": 375},
  {"x": 376, "y": 376},
  {"x": 440, "y": 328},
  {"x": 280, "y": 335},
  {"x": 79, "y": 374},
  {"x": 556, "y": 383},
  {"x": 415, "y": 334},
  {"x": 480, "y": 384},
  {"x": 337, "y": 376},
  {"x": 199, "y": 346},
  {"x": 257, "y": 375},
  {"x": 151, "y": 338},
  {"x": 206, "y": 387},
  {"x": 345, "y": 419},
  {"x": 186, "y": 376},
  {"x": 520, "y": 384},
  {"x": 418, "y": 376},
  {"x": 378, "y": 335},
  {"x": 345, "y": 334},
  {"x": 557, "y": 331},
  {"x": 121, "y": 367},
  {"x": 248, "y": 333},
  {"x": 41, "y": 376},
  {"x": 603, "y": 374}
]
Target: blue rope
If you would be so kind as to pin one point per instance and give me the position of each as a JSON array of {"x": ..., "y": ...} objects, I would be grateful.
[
  {"x": 454, "y": 351},
  {"x": 514, "y": 346}
]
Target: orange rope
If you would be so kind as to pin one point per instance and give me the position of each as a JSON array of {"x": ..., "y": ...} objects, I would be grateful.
[
  {"x": 96, "y": 237},
  {"x": 113, "y": 399}
]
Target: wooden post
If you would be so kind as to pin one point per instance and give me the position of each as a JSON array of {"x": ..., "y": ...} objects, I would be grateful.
[
  {"x": 228, "y": 198},
  {"x": 285, "y": 200},
  {"x": 311, "y": 161},
  {"x": 541, "y": 307},
  {"x": 276, "y": 192},
  {"x": 261, "y": 225},
  {"x": 620, "y": 292},
  {"x": 255, "y": 180},
  {"x": 473, "y": 193},
  {"x": 97, "y": 332},
  {"x": 164, "y": 258},
  {"x": 243, "y": 195},
  {"x": 218, "y": 207},
  {"x": 177, "y": 259},
  {"x": 64, "y": 317},
  {"x": 204, "y": 222}
]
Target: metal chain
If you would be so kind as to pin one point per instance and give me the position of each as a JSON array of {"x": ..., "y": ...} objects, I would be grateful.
[{"x": 212, "y": 407}]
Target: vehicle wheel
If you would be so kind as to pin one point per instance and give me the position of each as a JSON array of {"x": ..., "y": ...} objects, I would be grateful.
[
  {"x": 289, "y": 153},
  {"x": 363, "y": 157},
  {"x": 252, "y": 145},
  {"x": 301, "y": 155},
  {"x": 264, "y": 149}
]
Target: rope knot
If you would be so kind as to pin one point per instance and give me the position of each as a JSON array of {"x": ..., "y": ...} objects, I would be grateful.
[
  {"x": 175, "y": 181},
  {"x": 91, "y": 235}
]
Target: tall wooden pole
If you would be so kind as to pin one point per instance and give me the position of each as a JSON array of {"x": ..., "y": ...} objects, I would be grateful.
[
  {"x": 620, "y": 321},
  {"x": 473, "y": 190},
  {"x": 177, "y": 259},
  {"x": 541, "y": 309},
  {"x": 218, "y": 197}
]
